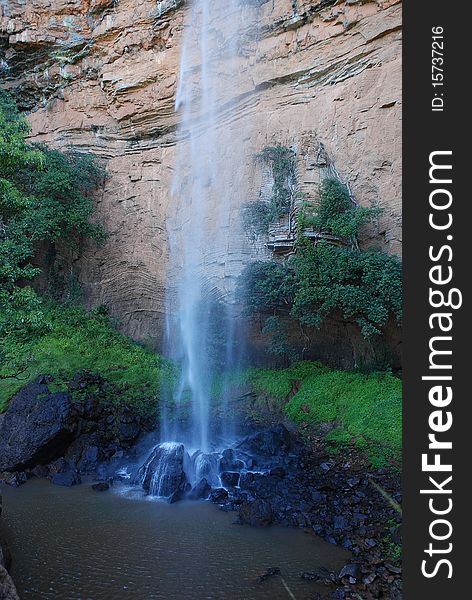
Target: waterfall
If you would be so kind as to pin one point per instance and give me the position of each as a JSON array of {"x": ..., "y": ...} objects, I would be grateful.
[
  {"x": 206, "y": 247},
  {"x": 204, "y": 215}
]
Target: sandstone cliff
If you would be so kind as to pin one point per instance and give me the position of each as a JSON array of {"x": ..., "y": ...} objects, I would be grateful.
[{"x": 101, "y": 75}]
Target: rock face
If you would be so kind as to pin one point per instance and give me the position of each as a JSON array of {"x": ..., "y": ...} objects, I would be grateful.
[
  {"x": 323, "y": 77},
  {"x": 40, "y": 426},
  {"x": 257, "y": 513}
]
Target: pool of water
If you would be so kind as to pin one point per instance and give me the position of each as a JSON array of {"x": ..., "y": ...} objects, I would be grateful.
[{"x": 77, "y": 544}]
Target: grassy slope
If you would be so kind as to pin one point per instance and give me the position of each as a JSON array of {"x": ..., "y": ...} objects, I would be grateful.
[
  {"x": 365, "y": 408},
  {"x": 80, "y": 340}
]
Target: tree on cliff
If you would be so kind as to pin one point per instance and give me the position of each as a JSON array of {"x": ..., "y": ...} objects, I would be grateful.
[
  {"x": 328, "y": 276},
  {"x": 44, "y": 200}
]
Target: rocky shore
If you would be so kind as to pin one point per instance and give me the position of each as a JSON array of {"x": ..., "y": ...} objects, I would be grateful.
[
  {"x": 335, "y": 496},
  {"x": 271, "y": 476}
]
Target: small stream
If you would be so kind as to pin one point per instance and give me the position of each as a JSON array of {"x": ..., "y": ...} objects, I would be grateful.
[{"x": 77, "y": 544}]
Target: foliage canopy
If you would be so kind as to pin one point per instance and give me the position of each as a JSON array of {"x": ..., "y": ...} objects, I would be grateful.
[
  {"x": 44, "y": 199},
  {"x": 328, "y": 276}
]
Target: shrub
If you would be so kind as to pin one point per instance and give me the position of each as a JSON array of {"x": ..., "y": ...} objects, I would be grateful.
[
  {"x": 258, "y": 215},
  {"x": 336, "y": 214},
  {"x": 364, "y": 286},
  {"x": 44, "y": 197}
]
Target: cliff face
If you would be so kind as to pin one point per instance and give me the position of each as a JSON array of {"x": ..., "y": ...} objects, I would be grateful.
[{"x": 101, "y": 75}]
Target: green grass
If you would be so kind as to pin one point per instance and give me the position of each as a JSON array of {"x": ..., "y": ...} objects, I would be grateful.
[
  {"x": 365, "y": 408},
  {"x": 84, "y": 340},
  {"x": 278, "y": 382}
]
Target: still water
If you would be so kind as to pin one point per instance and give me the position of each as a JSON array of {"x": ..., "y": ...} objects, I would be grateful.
[{"x": 77, "y": 544}]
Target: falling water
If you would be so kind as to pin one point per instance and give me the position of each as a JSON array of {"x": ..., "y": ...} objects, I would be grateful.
[{"x": 203, "y": 219}]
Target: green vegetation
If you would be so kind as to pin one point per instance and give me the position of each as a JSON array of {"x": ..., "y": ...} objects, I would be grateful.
[
  {"x": 329, "y": 276},
  {"x": 74, "y": 340},
  {"x": 364, "y": 408},
  {"x": 391, "y": 550},
  {"x": 45, "y": 205},
  {"x": 44, "y": 201},
  {"x": 336, "y": 214},
  {"x": 258, "y": 215}
]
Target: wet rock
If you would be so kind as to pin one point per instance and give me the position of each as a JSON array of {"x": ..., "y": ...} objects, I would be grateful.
[
  {"x": 339, "y": 522},
  {"x": 353, "y": 481},
  {"x": 206, "y": 467},
  {"x": 14, "y": 479},
  {"x": 89, "y": 460},
  {"x": 101, "y": 486},
  {"x": 257, "y": 513},
  {"x": 351, "y": 571},
  {"x": 46, "y": 425},
  {"x": 128, "y": 432},
  {"x": 271, "y": 572},
  {"x": 393, "y": 568},
  {"x": 325, "y": 466},
  {"x": 230, "y": 479},
  {"x": 201, "y": 491},
  {"x": 322, "y": 576},
  {"x": 270, "y": 442},
  {"x": 308, "y": 576},
  {"x": 246, "y": 480},
  {"x": 219, "y": 495},
  {"x": 229, "y": 462},
  {"x": 278, "y": 472},
  {"x": 63, "y": 473},
  {"x": 179, "y": 494},
  {"x": 168, "y": 461},
  {"x": 5, "y": 556},
  {"x": 338, "y": 594},
  {"x": 40, "y": 472},
  {"x": 40, "y": 423}
]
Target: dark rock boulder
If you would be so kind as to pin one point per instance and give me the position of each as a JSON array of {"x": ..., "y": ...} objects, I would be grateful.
[
  {"x": 257, "y": 513},
  {"x": 36, "y": 427},
  {"x": 270, "y": 572},
  {"x": 163, "y": 474},
  {"x": 40, "y": 471},
  {"x": 63, "y": 473},
  {"x": 229, "y": 479},
  {"x": 229, "y": 462},
  {"x": 101, "y": 486},
  {"x": 14, "y": 479},
  {"x": 271, "y": 442},
  {"x": 278, "y": 472},
  {"x": 180, "y": 493},
  {"x": 201, "y": 491},
  {"x": 219, "y": 495},
  {"x": 5, "y": 556},
  {"x": 246, "y": 480},
  {"x": 81, "y": 424}
]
